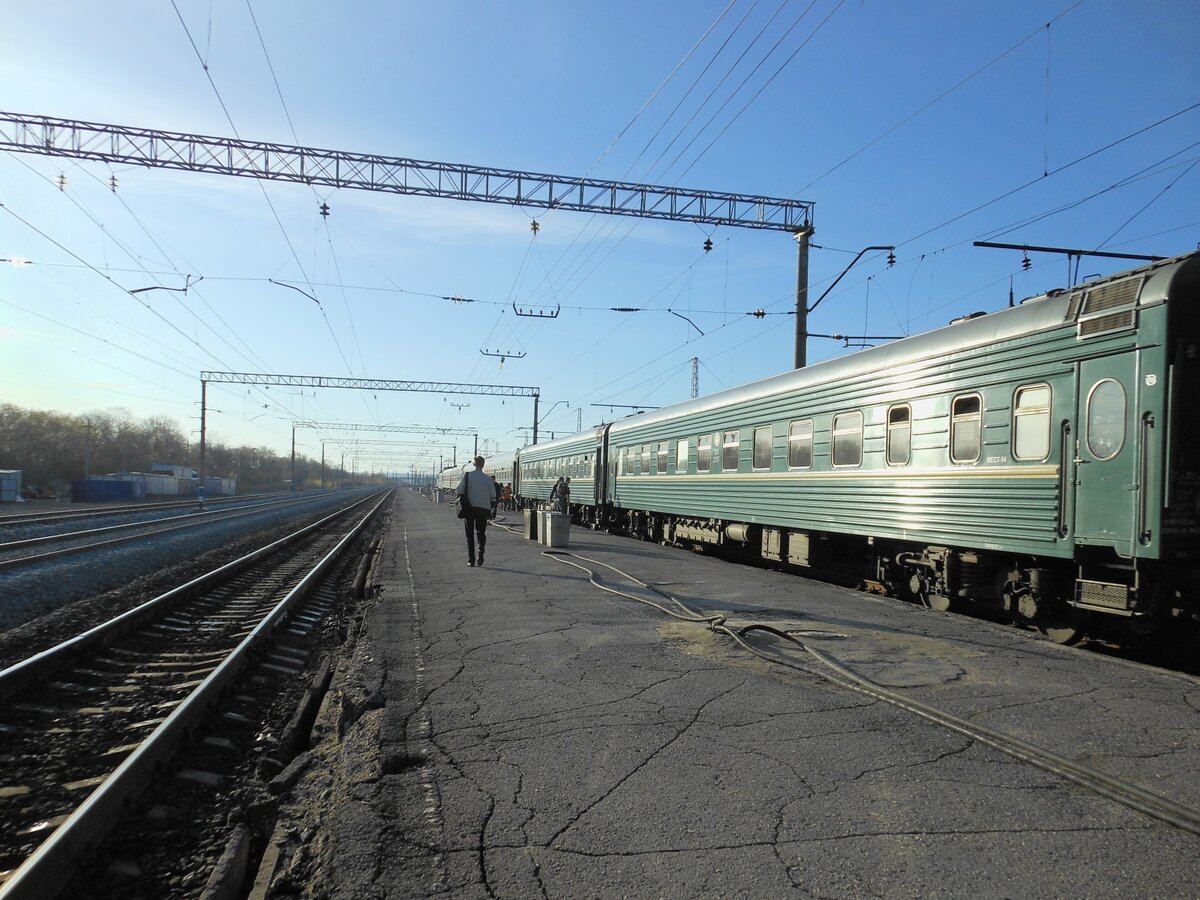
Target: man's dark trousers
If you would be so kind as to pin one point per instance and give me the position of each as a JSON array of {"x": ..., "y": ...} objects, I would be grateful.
[{"x": 475, "y": 524}]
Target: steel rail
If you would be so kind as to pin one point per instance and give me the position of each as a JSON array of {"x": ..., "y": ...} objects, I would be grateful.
[
  {"x": 20, "y": 675},
  {"x": 50, "y": 867},
  {"x": 104, "y": 529},
  {"x": 15, "y": 519},
  {"x": 223, "y": 515}
]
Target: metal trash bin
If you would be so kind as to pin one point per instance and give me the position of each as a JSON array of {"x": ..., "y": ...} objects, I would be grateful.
[
  {"x": 558, "y": 529},
  {"x": 531, "y": 524}
]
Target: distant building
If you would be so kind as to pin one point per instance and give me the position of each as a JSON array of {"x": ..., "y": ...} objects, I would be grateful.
[{"x": 177, "y": 471}]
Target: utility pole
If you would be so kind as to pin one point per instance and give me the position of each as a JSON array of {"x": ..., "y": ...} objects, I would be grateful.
[
  {"x": 322, "y": 465},
  {"x": 293, "y": 476},
  {"x": 203, "y": 413},
  {"x": 87, "y": 452},
  {"x": 802, "y": 237}
]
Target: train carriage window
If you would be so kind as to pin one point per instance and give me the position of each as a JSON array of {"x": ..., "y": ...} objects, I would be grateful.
[
  {"x": 1031, "y": 422},
  {"x": 899, "y": 435},
  {"x": 800, "y": 444},
  {"x": 729, "y": 451},
  {"x": 662, "y": 457},
  {"x": 1106, "y": 419},
  {"x": 630, "y": 452},
  {"x": 645, "y": 470},
  {"x": 847, "y": 439},
  {"x": 681, "y": 457},
  {"x": 764, "y": 439},
  {"x": 704, "y": 453},
  {"x": 966, "y": 429}
]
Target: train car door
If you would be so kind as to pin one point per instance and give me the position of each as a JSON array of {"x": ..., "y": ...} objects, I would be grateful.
[{"x": 1106, "y": 453}]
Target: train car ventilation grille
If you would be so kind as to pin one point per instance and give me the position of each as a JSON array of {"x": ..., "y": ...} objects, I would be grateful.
[
  {"x": 1073, "y": 306},
  {"x": 1106, "y": 297},
  {"x": 1109, "y": 307},
  {"x": 1104, "y": 324}
]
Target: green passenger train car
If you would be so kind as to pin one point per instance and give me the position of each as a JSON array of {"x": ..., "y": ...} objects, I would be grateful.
[
  {"x": 1043, "y": 458},
  {"x": 578, "y": 457}
]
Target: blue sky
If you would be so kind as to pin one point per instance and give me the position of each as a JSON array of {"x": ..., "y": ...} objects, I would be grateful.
[{"x": 896, "y": 119}]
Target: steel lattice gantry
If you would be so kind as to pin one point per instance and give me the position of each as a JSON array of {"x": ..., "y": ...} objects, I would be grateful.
[
  {"x": 359, "y": 384},
  {"x": 49, "y": 136},
  {"x": 370, "y": 384},
  {"x": 386, "y": 429}
]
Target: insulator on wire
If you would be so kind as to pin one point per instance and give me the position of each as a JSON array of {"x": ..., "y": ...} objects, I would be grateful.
[{"x": 708, "y": 244}]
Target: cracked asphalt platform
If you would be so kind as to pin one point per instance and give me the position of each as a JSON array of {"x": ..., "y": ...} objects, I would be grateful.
[{"x": 513, "y": 731}]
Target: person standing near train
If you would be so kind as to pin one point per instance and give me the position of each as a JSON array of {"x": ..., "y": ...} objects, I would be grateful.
[{"x": 480, "y": 492}]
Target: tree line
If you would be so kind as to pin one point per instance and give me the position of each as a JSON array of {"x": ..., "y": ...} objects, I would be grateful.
[{"x": 52, "y": 448}]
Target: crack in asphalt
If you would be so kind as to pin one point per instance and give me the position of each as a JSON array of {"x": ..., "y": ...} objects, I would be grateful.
[{"x": 624, "y": 778}]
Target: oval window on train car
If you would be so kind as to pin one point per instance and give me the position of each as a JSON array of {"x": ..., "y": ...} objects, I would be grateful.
[
  {"x": 1031, "y": 422},
  {"x": 1106, "y": 419}
]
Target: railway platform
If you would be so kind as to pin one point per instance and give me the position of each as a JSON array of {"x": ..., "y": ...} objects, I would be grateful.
[{"x": 531, "y": 729}]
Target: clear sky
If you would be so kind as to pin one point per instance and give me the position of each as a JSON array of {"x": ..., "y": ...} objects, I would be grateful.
[{"x": 926, "y": 125}]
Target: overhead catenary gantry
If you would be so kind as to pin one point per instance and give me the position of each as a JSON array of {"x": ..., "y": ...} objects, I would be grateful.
[
  {"x": 121, "y": 144},
  {"x": 359, "y": 384},
  {"x": 124, "y": 145},
  {"x": 392, "y": 429}
]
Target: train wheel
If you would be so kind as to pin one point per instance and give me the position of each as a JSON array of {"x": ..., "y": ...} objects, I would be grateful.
[{"x": 1063, "y": 625}]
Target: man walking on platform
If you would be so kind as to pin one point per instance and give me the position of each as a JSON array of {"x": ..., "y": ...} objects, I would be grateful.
[{"x": 480, "y": 492}]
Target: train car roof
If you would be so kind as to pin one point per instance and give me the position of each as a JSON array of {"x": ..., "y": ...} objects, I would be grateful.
[
  {"x": 1036, "y": 314},
  {"x": 564, "y": 443}
]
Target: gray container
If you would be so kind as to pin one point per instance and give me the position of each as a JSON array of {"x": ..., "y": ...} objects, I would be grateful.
[
  {"x": 558, "y": 530},
  {"x": 531, "y": 523},
  {"x": 10, "y": 485}
]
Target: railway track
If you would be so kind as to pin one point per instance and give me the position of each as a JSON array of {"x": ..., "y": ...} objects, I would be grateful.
[
  {"x": 85, "y": 724},
  {"x": 103, "y": 511},
  {"x": 25, "y": 551}
]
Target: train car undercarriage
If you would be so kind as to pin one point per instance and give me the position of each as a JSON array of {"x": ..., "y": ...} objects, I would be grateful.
[{"x": 1064, "y": 599}]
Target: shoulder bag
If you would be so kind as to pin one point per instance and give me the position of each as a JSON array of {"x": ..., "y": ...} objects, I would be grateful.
[{"x": 462, "y": 504}]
